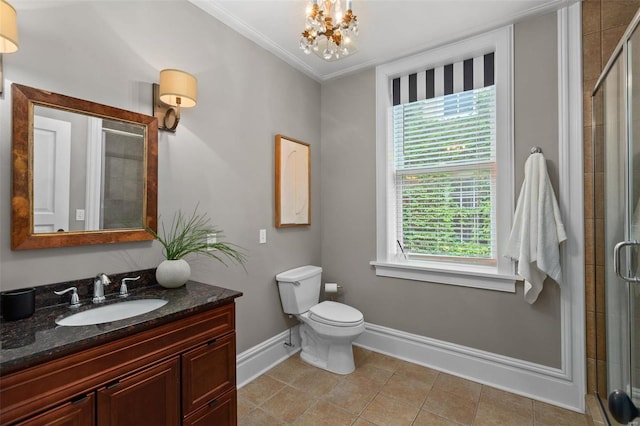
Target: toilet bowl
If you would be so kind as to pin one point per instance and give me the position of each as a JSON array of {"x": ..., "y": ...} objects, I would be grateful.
[
  {"x": 328, "y": 328},
  {"x": 326, "y": 341}
]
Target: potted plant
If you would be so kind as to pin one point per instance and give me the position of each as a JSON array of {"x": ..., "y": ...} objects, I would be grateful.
[{"x": 186, "y": 235}]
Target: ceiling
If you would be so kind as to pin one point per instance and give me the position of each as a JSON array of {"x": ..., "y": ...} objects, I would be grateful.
[{"x": 389, "y": 29}]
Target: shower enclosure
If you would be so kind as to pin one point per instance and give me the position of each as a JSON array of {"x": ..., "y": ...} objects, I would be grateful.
[{"x": 616, "y": 137}]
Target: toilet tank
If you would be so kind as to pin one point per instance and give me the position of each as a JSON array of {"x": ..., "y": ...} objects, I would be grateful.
[{"x": 299, "y": 288}]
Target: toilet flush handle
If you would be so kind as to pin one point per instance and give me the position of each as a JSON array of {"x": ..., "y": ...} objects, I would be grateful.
[{"x": 296, "y": 283}]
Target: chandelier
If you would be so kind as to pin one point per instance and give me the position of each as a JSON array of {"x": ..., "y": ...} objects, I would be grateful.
[{"x": 329, "y": 32}]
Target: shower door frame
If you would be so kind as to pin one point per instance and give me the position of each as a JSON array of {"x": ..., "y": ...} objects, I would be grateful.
[{"x": 620, "y": 53}]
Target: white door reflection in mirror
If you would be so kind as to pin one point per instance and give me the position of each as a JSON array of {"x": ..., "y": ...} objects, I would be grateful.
[{"x": 51, "y": 174}]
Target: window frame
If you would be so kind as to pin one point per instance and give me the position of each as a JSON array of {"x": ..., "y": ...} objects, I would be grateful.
[{"x": 389, "y": 260}]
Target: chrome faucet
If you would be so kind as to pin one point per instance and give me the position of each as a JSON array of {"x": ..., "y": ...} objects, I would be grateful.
[
  {"x": 98, "y": 287},
  {"x": 124, "y": 291}
]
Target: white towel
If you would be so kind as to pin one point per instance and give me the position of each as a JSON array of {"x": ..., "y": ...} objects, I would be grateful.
[{"x": 537, "y": 229}]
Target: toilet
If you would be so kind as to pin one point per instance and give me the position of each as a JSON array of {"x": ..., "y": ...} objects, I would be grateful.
[{"x": 328, "y": 328}]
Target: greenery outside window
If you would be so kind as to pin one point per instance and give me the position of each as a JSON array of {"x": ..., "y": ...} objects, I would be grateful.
[{"x": 444, "y": 164}]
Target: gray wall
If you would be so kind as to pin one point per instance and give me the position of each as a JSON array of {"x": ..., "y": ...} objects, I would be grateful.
[
  {"x": 222, "y": 155},
  {"x": 488, "y": 320}
]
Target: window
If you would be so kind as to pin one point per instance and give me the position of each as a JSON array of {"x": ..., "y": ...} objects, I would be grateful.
[
  {"x": 444, "y": 168},
  {"x": 445, "y": 164}
]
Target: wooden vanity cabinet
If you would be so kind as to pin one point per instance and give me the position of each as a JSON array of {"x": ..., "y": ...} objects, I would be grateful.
[{"x": 183, "y": 372}]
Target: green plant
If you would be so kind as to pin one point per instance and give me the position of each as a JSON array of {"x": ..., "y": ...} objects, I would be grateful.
[{"x": 189, "y": 234}]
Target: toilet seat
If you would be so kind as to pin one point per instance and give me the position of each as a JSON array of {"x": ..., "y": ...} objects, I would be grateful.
[{"x": 336, "y": 314}]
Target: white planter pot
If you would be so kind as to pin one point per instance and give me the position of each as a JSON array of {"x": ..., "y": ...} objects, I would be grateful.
[{"x": 173, "y": 273}]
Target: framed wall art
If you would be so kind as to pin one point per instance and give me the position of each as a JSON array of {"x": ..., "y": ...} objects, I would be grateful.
[{"x": 293, "y": 182}]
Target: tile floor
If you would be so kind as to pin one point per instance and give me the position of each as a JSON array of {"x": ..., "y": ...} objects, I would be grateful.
[{"x": 385, "y": 391}]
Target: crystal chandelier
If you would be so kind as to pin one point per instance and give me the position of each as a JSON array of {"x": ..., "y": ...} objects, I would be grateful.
[{"x": 329, "y": 32}]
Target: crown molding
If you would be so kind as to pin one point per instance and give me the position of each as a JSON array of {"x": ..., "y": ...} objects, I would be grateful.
[{"x": 218, "y": 11}]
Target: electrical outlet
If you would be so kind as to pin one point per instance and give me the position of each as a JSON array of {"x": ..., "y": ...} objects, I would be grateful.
[
  {"x": 263, "y": 236},
  {"x": 211, "y": 240},
  {"x": 79, "y": 214}
]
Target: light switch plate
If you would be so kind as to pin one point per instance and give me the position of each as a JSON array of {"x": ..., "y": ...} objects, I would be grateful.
[
  {"x": 79, "y": 214},
  {"x": 263, "y": 236},
  {"x": 211, "y": 239}
]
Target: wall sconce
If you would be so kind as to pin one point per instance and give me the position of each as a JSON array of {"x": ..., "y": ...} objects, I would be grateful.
[
  {"x": 177, "y": 89},
  {"x": 8, "y": 33}
]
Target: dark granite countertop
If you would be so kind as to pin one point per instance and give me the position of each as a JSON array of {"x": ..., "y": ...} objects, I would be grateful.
[{"x": 38, "y": 339}]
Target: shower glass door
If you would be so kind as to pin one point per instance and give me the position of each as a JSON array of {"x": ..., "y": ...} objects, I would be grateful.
[
  {"x": 616, "y": 124},
  {"x": 613, "y": 346},
  {"x": 633, "y": 61}
]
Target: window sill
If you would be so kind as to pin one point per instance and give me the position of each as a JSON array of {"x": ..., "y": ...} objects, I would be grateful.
[{"x": 461, "y": 275}]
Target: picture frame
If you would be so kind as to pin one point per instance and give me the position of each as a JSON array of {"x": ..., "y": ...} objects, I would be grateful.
[{"x": 292, "y": 182}]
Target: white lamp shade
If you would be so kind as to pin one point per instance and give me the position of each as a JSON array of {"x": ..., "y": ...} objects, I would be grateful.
[
  {"x": 178, "y": 84},
  {"x": 8, "y": 28}
]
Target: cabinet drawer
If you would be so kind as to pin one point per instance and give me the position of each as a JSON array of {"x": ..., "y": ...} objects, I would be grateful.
[
  {"x": 207, "y": 372},
  {"x": 221, "y": 411},
  {"x": 73, "y": 413},
  {"x": 150, "y": 397}
]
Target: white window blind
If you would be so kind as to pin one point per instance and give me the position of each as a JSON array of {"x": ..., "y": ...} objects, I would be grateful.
[{"x": 445, "y": 176}]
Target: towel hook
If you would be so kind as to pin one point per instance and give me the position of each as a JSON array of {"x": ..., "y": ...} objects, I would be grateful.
[{"x": 536, "y": 150}]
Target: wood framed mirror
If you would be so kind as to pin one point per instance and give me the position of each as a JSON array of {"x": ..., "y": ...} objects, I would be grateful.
[{"x": 83, "y": 173}]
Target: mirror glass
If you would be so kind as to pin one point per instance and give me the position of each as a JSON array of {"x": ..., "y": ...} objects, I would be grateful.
[
  {"x": 84, "y": 173},
  {"x": 88, "y": 172}
]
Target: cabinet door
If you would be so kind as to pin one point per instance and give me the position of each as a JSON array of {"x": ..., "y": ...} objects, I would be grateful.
[
  {"x": 150, "y": 397},
  {"x": 219, "y": 412},
  {"x": 208, "y": 371},
  {"x": 79, "y": 412}
]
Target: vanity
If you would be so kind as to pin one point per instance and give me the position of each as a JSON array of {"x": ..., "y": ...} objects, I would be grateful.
[
  {"x": 84, "y": 173},
  {"x": 174, "y": 365}
]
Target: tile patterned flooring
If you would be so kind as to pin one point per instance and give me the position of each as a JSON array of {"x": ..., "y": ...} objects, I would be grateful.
[{"x": 385, "y": 391}]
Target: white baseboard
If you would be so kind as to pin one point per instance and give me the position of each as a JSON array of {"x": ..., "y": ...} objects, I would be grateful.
[
  {"x": 534, "y": 381},
  {"x": 255, "y": 361}
]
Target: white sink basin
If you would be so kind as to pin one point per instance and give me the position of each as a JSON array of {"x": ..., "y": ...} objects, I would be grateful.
[{"x": 113, "y": 312}]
